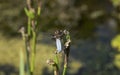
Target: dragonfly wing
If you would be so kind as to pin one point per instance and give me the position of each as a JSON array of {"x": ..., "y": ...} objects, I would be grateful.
[{"x": 58, "y": 45}]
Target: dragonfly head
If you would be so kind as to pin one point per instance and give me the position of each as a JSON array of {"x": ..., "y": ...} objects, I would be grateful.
[{"x": 58, "y": 34}]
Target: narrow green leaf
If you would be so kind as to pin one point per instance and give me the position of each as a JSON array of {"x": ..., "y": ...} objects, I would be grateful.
[
  {"x": 29, "y": 13},
  {"x": 26, "y": 11}
]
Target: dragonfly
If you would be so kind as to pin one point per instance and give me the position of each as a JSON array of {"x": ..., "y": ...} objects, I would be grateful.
[{"x": 58, "y": 36}]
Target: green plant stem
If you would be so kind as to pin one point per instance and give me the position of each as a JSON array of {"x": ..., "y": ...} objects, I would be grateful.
[
  {"x": 33, "y": 50},
  {"x": 29, "y": 26},
  {"x": 27, "y": 47},
  {"x": 65, "y": 69},
  {"x": 56, "y": 59},
  {"x": 21, "y": 63},
  {"x": 27, "y": 43},
  {"x": 57, "y": 65},
  {"x": 66, "y": 58},
  {"x": 56, "y": 69},
  {"x": 65, "y": 64},
  {"x": 30, "y": 48}
]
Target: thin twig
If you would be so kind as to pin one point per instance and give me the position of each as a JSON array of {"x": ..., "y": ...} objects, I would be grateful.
[
  {"x": 29, "y": 4},
  {"x": 66, "y": 51},
  {"x": 55, "y": 66},
  {"x": 66, "y": 57}
]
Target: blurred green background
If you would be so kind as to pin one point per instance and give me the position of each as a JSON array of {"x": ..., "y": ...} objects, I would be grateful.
[{"x": 92, "y": 25}]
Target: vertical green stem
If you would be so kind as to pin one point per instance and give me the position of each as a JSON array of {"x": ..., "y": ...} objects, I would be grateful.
[
  {"x": 33, "y": 51},
  {"x": 65, "y": 64},
  {"x": 66, "y": 51},
  {"x": 56, "y": 59},
  {"x": 57, "y": 65},
  {"x": 64, "y": 70},
  {"x": 32, "y": 33},
  {"x": 21, "y": 63},
  {"x": 56, "y": 69},
  {"x": 29, "y": 26},
  {"x": 27, "y": 57},
  {"x": 27, "y": 44},
  {"x": 30, "y": 48}
]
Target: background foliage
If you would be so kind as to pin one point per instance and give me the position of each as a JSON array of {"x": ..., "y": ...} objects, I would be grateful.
[{"x": 92, "y": 23}]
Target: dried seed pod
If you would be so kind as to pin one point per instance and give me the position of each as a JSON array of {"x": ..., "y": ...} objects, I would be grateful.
[{"x": 50, "y": 62}]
